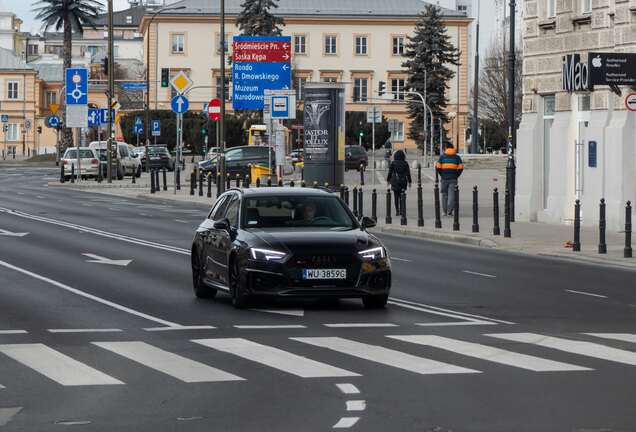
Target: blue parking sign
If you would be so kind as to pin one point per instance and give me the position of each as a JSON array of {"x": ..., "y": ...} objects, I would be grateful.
[
  {"x": 156, "y": 128},
  {"x": 103, "y": 116}
]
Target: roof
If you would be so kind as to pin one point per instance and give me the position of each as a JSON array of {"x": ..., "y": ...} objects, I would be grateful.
[
  {"x": 269, "y": 191},
  {"x": 336, "y": 8},
  {"x": 119, "y": 17},
  {"x": 11, "y": 61},
  {"x": 49, "y": 72}
]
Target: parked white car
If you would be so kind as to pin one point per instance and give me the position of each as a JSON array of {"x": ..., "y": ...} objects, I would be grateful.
[
  {"x": 88, "y": 163},
  {"x": 124, "y": 162}
]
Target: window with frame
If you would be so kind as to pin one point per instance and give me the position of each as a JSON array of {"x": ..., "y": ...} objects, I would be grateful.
[
  {"x": 360, "y": 89},
  {"x": 551, "y": 8},
  {"x": 586, "y": 6},
  {"x": 32, "y": 49},
  {"x": 584, "y": 102},
  {"x": 329, "y": 79},
  {"x": 300, "y": 82},
  {"x": 13, "y": 90},
  {"x": 300, "y": 44},
  {"x": 331, "y": 44},
  {"x": 398, "y": 133},
  {"x": 13, "y": 132},
  {"x": 398, "y": 45},
  {"x": 228, "y": 83},
  {"x": 397, "y": 88},
  {"x": 178, "y": 43},
  {"x": 361, "y": 45},
  {"x": 51, "y": 97},
  {"x": 232, "y": 213}
]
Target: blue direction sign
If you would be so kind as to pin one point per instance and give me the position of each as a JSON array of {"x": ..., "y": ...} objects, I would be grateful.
[
  {"x": 53, "y": 121},
  {"x": 76, "y": 86},
  {"x": 139, "y": 126},
  {"x": 134, "y": 86},
  {"x": 94, "y": 117},
  {"x": 259, "y": 63},
  {"x": 179, "y": 104},
  {"x": 156, "y": 128}
]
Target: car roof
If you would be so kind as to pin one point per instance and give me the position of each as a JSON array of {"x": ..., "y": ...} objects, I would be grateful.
[{"x": 286, "y": 191}]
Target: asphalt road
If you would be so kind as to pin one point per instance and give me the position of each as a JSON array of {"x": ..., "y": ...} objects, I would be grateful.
[{"x": 472, "y": 340}]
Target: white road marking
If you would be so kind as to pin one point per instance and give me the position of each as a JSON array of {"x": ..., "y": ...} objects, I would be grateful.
[
  {"x": 275, "y": 358},
  {"x": 102, "y": 260},
  {"x": 455, "y": 323},
  {"x": 400, "y": 259},
  {"x": 356, "y": 405},
  {"x": 588, "y": 349},
  {"x": 2, "y": 387},
  {"x": 169, "y": 363},
  {"x": 585, "y": 293},
  {"x": 360, "y": 325},
  {"x": 454, "y": 314},
  {"x": 347, "y": 388},
  {"x": 259, "y": 327},
  {"x": 179, "y": 327},
  {"x": 104, "y": 330},
  {"x": 56, "y": 366},
  {"x": 624, "y": 337},
  {"x": 6, "y": 233},
  {"x": 8, "y": 332},
  {"x": 89, "y": 296},
  {"x": 7, "y": 414},
  {"x": 434, "y": 312},
  {"x": 492, "y": 354},
  {"x": 346, "y": 422},
  {"x": 479, "y": 274},
  {"x": 384, "y": 356},
  {"x": 181, "y": 221},
  {"x": 291, "y": 312}
]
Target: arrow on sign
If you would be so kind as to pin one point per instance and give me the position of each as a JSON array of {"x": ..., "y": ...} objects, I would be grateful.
[
  {"x": 11, "y": 234},
  {"x": 101, "y": 260}
]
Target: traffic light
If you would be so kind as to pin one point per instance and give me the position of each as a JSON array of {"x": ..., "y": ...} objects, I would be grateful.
[
  {"x": 381, "y": 88},
  {"x": 361, "y": 133},
  {"x": 165, "y": 77},
  {"x": 105, "y": 65},
  {"x": 204, "y": 131},
  {"x": 39, "y": 129}
]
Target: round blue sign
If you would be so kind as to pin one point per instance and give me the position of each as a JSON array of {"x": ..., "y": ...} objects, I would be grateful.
[
  {"x": 179, "y": 104},
  {"x": 53, "y": 121}
]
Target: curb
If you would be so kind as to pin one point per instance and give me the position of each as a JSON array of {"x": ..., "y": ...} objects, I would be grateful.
[
  {"x": 440, "y": 236},
  {"x": 166, "y": 200},
  {"x": 583, "y": 259}
]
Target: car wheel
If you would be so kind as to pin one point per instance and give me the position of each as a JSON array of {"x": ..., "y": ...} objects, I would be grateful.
[
  {"x": 375, "y": 301},
  {"x": 240, "y": 299},
  {"x": 138, "y": 172},
  {"x": 200, "y": 289},
  {"x": 120, "y": 173}
]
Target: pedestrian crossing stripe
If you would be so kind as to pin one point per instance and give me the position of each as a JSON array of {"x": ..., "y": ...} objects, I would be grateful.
[{"x": 67, "y": 371}]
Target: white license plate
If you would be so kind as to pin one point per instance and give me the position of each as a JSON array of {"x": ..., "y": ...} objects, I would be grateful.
[{"x": 324, "y": 273}]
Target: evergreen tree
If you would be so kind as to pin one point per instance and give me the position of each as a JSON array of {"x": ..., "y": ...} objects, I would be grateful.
[
  {"x": 256, "y": 20},
  {"x": 430, "y": 50}
]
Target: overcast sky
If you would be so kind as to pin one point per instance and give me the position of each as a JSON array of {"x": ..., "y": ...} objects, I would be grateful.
[{"x": 23, "y": 10}]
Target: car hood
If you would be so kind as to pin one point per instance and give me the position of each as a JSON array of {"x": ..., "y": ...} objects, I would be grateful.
[{"x": 311, "y": 240}]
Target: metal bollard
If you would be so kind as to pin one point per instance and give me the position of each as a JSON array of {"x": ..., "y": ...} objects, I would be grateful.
[
  {"x": 496, "y": 230},
  {"x": 355, "y": 201},
  {"x": 362, "y": 174},
  {"x": 218, "y": 184},
  {"x": 403, "y": 220},
  {"x": 193, "y": 182},
  {"x": 178, "y": 171},
  {"x": 157, "y": 185},
  {"x": 209, "y": 195},
  {"x": 62, "y": 179},
  {"x": 602, "y": 224},
  {"x": 438, "y": 213},
  {"x": 388, "y": 219},
  {"x": 292, "y": 184},
  {"x": 475, "y": 210},
  {"x": 153, "y": 186},
  {"x": 347, "y": 196},
  {"x": 269, "y": 181},
  {"x": 133, "y": 178},
  {"x": 360, "y": 203},
  {"x": 258, "y": 182},
  {"x": 374, "y": 205},
  {"x": 420, "y": 200},
  {"x": 302, "y": 183},
  {"x": 627, "y": 252},
  {"x": 246, "y": 182},
  {"x": 576, "y": 247},
  {"x": 201, "y": 184},
  {"x": 456, "y": 210},
  {"x": 228, "y": 181},
  {"x": 165, "y": 180},
  {"x": 100, "y": 175},
  {"x": 280, "y": 182},
  {"x": 507, "y": 232},
  {"x": 72, "y": 173},
  {"x": 342, "y": 192},
  {"x": 238, "y": 180}
]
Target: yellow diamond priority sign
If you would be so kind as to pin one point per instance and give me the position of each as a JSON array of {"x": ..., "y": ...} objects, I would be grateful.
[
  {"x": 54, "y": 108},
  {"x": 181, "y": 82}
]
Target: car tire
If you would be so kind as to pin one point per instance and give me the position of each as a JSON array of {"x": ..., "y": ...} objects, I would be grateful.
[
  {"x": 138, "y": 174},
  {"x": 120, "y": 173},
  {"x": 201, "y": 290},
  {"x": 240, "y": 299},
  {"x": 375, "y": 301}
]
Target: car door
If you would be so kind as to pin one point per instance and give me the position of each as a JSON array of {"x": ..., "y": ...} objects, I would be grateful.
[
  {"x": 210, "y": 235},
  {"x": 224, "y": 239}
]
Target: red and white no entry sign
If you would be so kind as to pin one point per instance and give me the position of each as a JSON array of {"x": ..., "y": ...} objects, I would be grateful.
[
  {"x": 214, "y": 109},
  {"x": 630, "y": 101}
]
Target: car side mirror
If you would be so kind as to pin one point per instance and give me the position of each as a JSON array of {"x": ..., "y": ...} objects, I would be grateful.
[
  {"x": 222, "y": 224},
  {"x": 367, "y": 222}
]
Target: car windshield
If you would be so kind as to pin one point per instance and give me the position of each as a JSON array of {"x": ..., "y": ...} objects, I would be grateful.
[
  {"x": 84, "y": 154},
  {"x": 296, "y": 211},
  {"x": 157, "y": 151}
]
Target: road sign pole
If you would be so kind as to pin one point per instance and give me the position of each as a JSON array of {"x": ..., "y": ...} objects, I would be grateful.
[
  {"x": 79, "y": 172},
  {"x": 221, "y": 158},
  {"x": 373, "y": 146}
]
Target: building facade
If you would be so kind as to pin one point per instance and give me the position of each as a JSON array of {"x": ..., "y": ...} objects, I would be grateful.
[
  {"x": 356, "y": 42},
  {"x": 574, "y": 144}
]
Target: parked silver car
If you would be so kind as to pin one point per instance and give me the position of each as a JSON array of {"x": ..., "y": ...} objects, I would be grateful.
[{"x": 88, "y": 163}]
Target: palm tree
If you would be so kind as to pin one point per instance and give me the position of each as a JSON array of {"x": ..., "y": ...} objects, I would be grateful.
[{"x": 72, "y": 16}]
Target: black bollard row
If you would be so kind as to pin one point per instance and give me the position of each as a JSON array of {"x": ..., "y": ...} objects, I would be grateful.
[
  {"x": 178, "y": 174},
  {"x": 72, "y": 173},
  {"x": 153, "y": 186},
  {"x": 280, "y": 182},
  {"x": 362, "y": 174},
  {"x": 576, "y": 247},
  {"x": 475, "y": 210},
  {"x": 62, "y": 179},
  {"x": 403, "y": 219},
  {"x": 374, "y": 205},
  {"x": 157, "y": 185},
  {"x": 360, "y": 203},
  {"x": 420, "y": 200},
  {"x": 438, "y": 213},
  {"x": 258, "y": 182},
  {"x": 456, "y": 209},
  {"x": 201, "y": 184},
  {"x": 602, "y": 225},
  {"x": 209, "y": 194},
  {"x": 355, "y": 201},
  {"x": 193, "y": 182},
  {"x": 238, "y": 180},
  {"x": 507, "y": 232},
  {"x": 388, "y": 219},
  {"x": 627, "y": 252},
  {"x": 496, "y": 230},
  {"x": 165, "y": 179},
  {"x": 228, "y": 181},
  {"x": 246, "y": 181}
]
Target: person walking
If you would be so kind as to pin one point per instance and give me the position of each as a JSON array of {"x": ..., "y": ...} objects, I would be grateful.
[
  {"x": 449, "y": 167},
  {"x": 399, "y": 177}
]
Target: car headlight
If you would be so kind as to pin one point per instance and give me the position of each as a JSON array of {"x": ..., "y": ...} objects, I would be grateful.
[
  {"x": 372, "y": 254},
  {"x": 267, "y": 255}
]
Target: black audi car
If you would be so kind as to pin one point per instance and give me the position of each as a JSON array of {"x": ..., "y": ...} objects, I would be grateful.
[{"x": 288, "y": 242}]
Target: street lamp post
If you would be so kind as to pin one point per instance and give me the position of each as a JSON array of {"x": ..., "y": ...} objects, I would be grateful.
[
  {"x": 512, "y": 133},
  {"x": 221, "y": 124},
  {"x": 147, "y": 125},
  {"x": 111, "y": 94},
  {"x": 474, "y": 141}
]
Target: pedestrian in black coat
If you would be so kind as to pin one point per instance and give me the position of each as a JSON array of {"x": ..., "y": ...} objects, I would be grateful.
[{"x": 399, "y": 177}]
